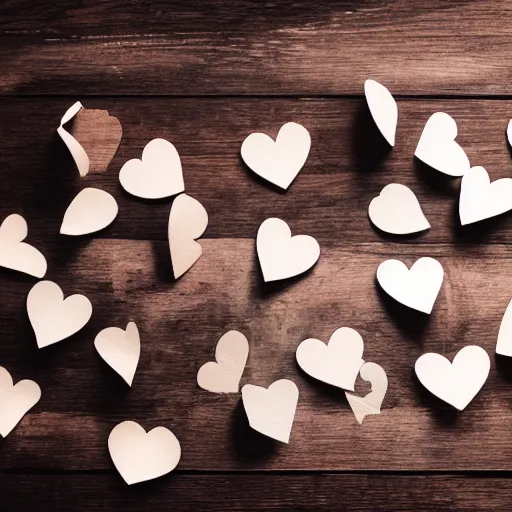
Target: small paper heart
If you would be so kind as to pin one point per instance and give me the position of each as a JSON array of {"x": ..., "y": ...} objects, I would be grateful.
[{"x": 383, "y": 108}]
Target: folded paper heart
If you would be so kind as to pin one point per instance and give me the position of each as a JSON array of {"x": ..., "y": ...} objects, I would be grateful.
[
  {"x": 397, "y": 211},
  {"x": 281, "y": 255},
  {"x": 158, "y": 174},
  {"x": 139, "y": 455},
  {"x": 383, "y": 108},
  {"x": 271, "y": 411},
  {"x": 15, "y": 400},
  {"x": 16, "y": 254},
  {"x": 278, "y": 162},
  {"x": 416, "y": 288},
  {"x": 54, "y": 318},
  {"x": 338, "y": 362},
  {"x": 504, "y": 343},
  {"x": 456, "y": 383},
  {"x": 438, "y": 149},
  {"x": 224, "y": 375}
]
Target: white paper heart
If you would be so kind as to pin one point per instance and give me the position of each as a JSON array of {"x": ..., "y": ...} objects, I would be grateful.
[
  {"x": 509, "y": 132},
  {"x": 416, "y": 288},
  {"x": 157, "y": 175},
  {"x": 397, "y": 211},
  {"x": 92, "y": 209},
  {"x": 271, "y": 411},
  {"x": 139, "y": 455},
  {"x": 480, "y": 199},
  {"x": 16, "y": 254},
  {"x": 363, "y": 406},
  {"x": 224, "y": 375},
  {"x": 281, "y": 255},
  {"x": 336, "y": 363},
  {"x": 278, "y": 162},
  {"x": 120, "y": 349},
  {"x": 437, "y": 146},
  {"x": 53, "y": 318},
  {"x": 456, "y": 383},
  {"x": 383, "y": 108},
  {"x": 504, "y": 343},
  {"x": 15, "y": 400},
  {"x": 188, "y": 221}
]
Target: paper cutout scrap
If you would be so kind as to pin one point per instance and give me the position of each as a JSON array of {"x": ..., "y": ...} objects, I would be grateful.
[
  {"x": 188, "y": 221},
  {"x": 15, "y": 400},
  {"x": 16, "y": 254},
  {"x": 383, "y": 108},
  {"x": 281, "y": 160},
  {"x": 437, "y": 146},
  {"x": 456, "y": 383},
  {"x": 504, "y": 343},
  {"x": 416, "y": 288},
  {"x": 140, "y": 456},
  {"x": 157, "y": 175},
  {"x": 271, "y": 411},
  {"x": 336, "y": 363},
  {"x": 91, "y": 210},
  {"x": 75, "y": 148},
  {"x": 363, "y": 406},
  {"x": 281, "y": 255},
  {"x": 120, "y": 349},
  {"x": 397, "y": 211},
  {"x": 54, "y": 318}
]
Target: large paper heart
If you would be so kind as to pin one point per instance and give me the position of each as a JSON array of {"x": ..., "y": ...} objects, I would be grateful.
[
  {"x": 188, "y": 221},
  {"x": 456, "y": 383},
  {"x": 271, "y": 411},
  {"x": 53, "y": 318},
  {"x": 157, "y": 175},
  {"x": 437, "y": 146},
  {"x": 397, "y": 211},
  {"x": 278, "y": 162},
  {"x": 15, "y": 400},
  {"x": 336, "y": 363},
  {"x": 16, "y": 254},
  {"x": 120, "y": 349},
  {"x": 141, "y": 456},
  {"x": 480, "y": 199},
  {"x": 224, "y": 375},
  {"x": 383, "y": 108},
  {"x": 416, "y": 288},
  {"x": 504, "y": 343},
  {"x": 281, "y": 255}
]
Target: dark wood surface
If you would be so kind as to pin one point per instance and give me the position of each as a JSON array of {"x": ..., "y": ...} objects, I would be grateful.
[{"x": 205, "y": 76}]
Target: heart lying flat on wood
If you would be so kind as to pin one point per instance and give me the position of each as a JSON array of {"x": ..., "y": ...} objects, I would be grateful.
[
  {"x": 504, "y": 343},
  {"x": 54, "y": 318},
  {"x": 139, "y": 455},
  {"x": 336, "y": 363},
  {"x": 278, "y": 162},
  {"x": 456, "y": 383},
  {"x": 383, "y": 108}
]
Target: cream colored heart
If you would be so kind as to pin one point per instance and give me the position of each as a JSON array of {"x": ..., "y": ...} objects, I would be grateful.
[
  {"x": 54, "y": 318},
  {"x": 504, "y": 343},
  {"x": 224, "y": 375},
  {"x": 383, "y": 108},
  {"x": 141, "y": 456},
  {"x": 509, "y": 132}
]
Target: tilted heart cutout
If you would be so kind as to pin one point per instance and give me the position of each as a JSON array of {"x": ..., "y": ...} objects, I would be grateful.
[
  {"x": 504, "y": 343},
  {"x": 383, "y": 108}
]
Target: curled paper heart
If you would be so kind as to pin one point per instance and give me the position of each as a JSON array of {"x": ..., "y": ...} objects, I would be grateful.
[
  {"x": 509, "y": 132},
  {"x": 504, "y": 343},
  {"x": 383, "y": 108}
]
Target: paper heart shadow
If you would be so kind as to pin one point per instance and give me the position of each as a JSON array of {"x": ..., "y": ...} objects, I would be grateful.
[
  {"x": 504, "y": 366},
  {"x": 396, "y": 238},
  {"x": 162, "y": 261},
  {"x": 439, "y": 182}
]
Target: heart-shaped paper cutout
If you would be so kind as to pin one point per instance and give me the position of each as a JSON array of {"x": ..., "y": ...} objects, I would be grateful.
[
  {"x": 15, "y": 400},
  {"x": 139, "y": 455},
  {"x": 456, "y": 383},
  {"x": 383, "y": 108},
  {"x": 437, "y": 146},
  {"x": 363, "y": 406},
  {"x": 75, "y": 148},
  {"x": 336, "y": 363},
  {"x": 416, "y": 288},
  {"x": 480, "y": 199},
  {"x": 224, "y": 375},
  {"x": 120, "y": 349},
  {"x": 157, "y": 175},
  {"x": 509, "y": 132},
  {"x": 397, "y": 211},
  {"x": 281, "y": 255},
  {"x": 16, "y": 254},
  {"x": 92, "y": 209},
  {"x": 504, "y": 343},
  {"x": 188, "y": 221},
  {"x": 53, "y": 318},
  {"x": 271, "y": 411},
  {"x": 278, "y": 162}
]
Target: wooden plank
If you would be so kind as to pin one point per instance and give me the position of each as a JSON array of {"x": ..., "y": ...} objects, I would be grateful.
[{"x": 246, "y": 47}]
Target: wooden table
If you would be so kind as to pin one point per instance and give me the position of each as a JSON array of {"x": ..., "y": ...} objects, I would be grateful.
[{"x": 205, "y": 76}]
